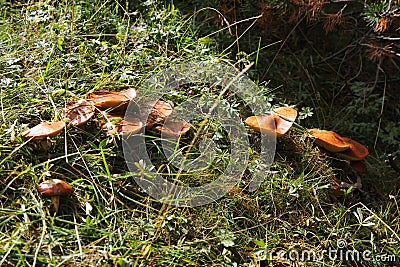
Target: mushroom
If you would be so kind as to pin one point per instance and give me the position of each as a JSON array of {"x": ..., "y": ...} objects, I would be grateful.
[
  {"x": 329, "y": 140},
  {"x": 355, "y": 152},
  {"x": 279, "y": 121},
  {"x": 129, "y": 93},
  {"x": 79, "y": 112},
  {"x": 174, "y": 128},
  {"x": 129, "y": 127},
  {"x": 112, "y": 99},
  {"x": 160, "y": 111},
  {"x": 284, "y": 118},
  {"x": 118, "y": 125},
  {"x": 44, "y": 129},
  {"x": 55, "y": 188},
  {"x": 263, "y": 123}
]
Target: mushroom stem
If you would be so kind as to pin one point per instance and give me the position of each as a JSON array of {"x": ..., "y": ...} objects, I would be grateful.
[{"x": 56, "y": 202}]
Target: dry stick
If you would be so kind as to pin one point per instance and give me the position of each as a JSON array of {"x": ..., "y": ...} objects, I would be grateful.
[
  {"x": 238, "y": 38},
  {"x": 382, "y": 106},
  {"x": 1, "y": 105}
]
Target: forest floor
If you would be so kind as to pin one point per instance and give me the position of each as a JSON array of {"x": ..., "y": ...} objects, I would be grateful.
[{"x": 51, "y": 54}]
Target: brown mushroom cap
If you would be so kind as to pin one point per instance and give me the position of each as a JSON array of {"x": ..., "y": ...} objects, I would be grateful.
[
  {"x": 118, "y": 125},
  {"x": 358, "y": 166},
  {"x": 129, "y": 93},
  {"x": 160, "y": 111},
  {"x": 54, "y": 187},
  {"x": 174, "y": 128},
  {"x": 112, "y": 99},
  {"x": 129, "y": 127},
  {"x": 355, "y": 152},
  {"x": 263, "y": 123},
  {"x": 79, "y": 112},
  {"x": 329, "y": 140},
  {"x": 44, "y": 129},
  {"x": 284, "y": 118}
]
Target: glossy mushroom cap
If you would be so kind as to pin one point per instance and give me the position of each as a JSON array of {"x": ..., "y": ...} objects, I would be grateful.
[
  {"x": 160, "y": 111},
  {"x": 112, "y": 99},
  {"x": 174, "y": 128},
  {"x": 355, "y": 152},
  {"x": 264, "y": 123},
  {"x": 54, "y": 187},
  {"x": 79, "y": 112},
  {"x": 279, "y": 122},
  {"x": 284, "y": 118},
  {"x": 44, "y": 129},
  {"x": 129, "y": 93},
  {"x": 118, "y": 125},
  {"x": 329, "y": 140}
]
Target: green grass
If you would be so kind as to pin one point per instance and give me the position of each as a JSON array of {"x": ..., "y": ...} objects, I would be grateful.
[{"x": 54, "y": 53}]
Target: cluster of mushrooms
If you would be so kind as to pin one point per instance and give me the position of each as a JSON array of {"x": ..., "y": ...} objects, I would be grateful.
[
  {"x": 282, "y": 118},
  {"x": 111, "y": 105}
]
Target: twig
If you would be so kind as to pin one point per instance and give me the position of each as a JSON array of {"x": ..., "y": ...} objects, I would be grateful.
[
  {"x": 382, "y": 105},
  {"x": 1, "y": 106},
  {"x": 280, "y": 48},
  {"x": 238, "y": 38}
]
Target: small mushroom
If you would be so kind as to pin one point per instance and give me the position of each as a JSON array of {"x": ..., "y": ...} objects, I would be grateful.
[
  {"x": 174, "y": 128},
  {"x": 329, "y": 140},
  {"x": 55, "y": 188},
  {"x": 79, "y": 112},
  {"x": 355, "y": 152},
  {"x": 44, "y": 129},
  {"x": 118, "y": 125}
]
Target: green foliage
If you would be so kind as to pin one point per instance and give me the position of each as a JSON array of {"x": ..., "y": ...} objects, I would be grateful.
[
  {"x": 53, "y": 52},
  {"x": 372, "y": 11}
]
